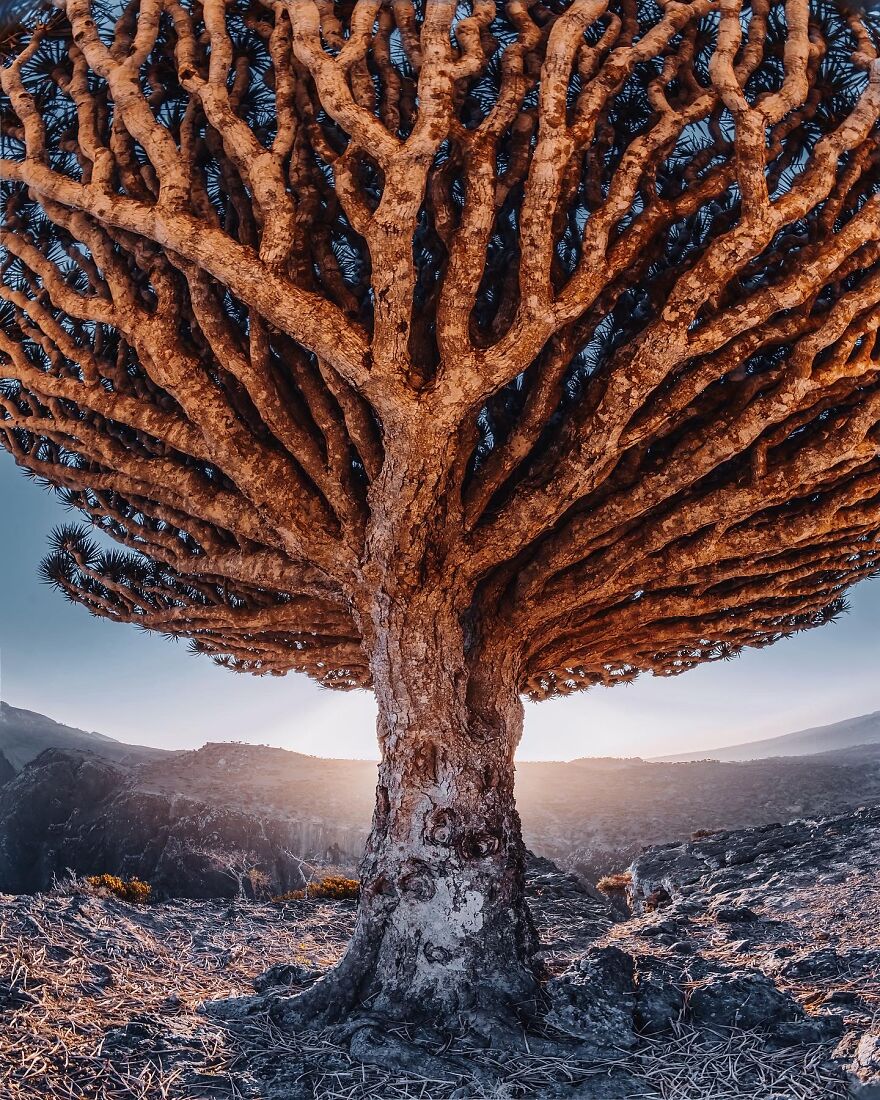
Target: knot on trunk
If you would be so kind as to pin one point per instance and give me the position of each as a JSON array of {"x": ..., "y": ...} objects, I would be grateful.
[
  {"x": 430, "y": 757},
  {"x": 490, "y": 777},
  {"x": 436, "y": 954},
  {"x": 380, "y": 889},
  {"x": 478, "y": 845},
  {"x": 417, "y": 880},
  {"x": 439, "y": 827}
]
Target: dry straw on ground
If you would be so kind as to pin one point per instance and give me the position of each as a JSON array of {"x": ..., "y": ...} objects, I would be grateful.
[{"x": 103, "y": 1003}]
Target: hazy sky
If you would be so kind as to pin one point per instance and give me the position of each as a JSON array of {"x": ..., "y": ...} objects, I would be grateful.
[{"x": 97, "y": 675}]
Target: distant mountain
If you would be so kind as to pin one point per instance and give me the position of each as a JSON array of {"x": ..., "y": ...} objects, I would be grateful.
[
  {"x": 120, "y": 807},
  {"x": 6, "y": 770},
  {"x": 849, "y": 734},
  {"x": 854, "y": 754},
  {"x": 24, "y": 734}
]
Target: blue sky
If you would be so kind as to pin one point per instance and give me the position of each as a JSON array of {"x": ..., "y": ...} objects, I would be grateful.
[{"x": 87, "y": 672}]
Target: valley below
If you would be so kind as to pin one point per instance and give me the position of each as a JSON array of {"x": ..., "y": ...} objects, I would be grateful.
[{"x": 192, "y": 822}]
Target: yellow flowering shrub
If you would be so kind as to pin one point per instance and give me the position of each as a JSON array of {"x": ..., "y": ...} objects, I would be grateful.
[
  {"x": 331, "y": 888},
  {"x": 133, "y": 891}
]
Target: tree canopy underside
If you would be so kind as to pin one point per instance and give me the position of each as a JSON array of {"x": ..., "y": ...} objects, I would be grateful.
[{"x": 604, "y": 277}]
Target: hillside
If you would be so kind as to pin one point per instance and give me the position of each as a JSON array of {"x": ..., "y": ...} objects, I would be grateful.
[
  {"x": 69, "y": 809},
  {"x": 851, "y": 733},
  {"x": 24, "y": 734}
]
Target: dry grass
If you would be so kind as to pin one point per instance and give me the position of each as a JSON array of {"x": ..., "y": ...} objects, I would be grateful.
[
  {"x": 111, "y": 992},
  {"x": 108, "y": 1009},
  {"x": 131, "y": 890},
  {"x": 734, "y": 1065},
  {"x": 608, "y": 884},
  {"x": 689, "y": 1065}
]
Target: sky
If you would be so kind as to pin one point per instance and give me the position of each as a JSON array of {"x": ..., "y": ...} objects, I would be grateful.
[{"x": 87, "y": 672}]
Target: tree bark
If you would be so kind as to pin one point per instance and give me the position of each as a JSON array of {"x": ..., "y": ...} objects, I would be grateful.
[{"x": 444, "y": 934}]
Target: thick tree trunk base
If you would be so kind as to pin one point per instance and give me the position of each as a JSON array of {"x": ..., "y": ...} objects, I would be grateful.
[
  {"x": 476, "y": 1045},
  {"x": 444, "y": 938},
  {"x": 444, "y": 944},
  {"x": 493, "y": 1009}
]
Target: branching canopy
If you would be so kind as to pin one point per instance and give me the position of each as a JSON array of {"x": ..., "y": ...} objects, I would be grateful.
[{"x": 599, "y": 278}]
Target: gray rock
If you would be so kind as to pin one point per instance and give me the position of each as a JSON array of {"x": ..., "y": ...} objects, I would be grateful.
[
  {"x": 830, "y": 963},
  {"x": 735, "y": 915},
  {"x": 743, "y": 999},
  {"x": 807, "y": 1031},
  {"x": 683, "y": 947},
  {"x": 841, "y": 997},
  {"x": 12, "y": 996},
  {"x": 738, "y": 856},
  {"x": 283, "y": 975},
  {"x": 593, "y": 1000},
  {"x": 864, "y": 1069},
  {"x": 659, "y": 998},
  {"x": 657, "y": 929}
]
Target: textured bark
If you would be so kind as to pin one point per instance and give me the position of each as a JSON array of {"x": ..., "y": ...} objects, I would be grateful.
[{"x": 443, "y": 929}]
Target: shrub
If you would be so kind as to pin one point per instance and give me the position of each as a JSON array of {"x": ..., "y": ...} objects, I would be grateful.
[
  {"x": 331, "y": 888},
  {"x": 610, "y": 884},
  {"x": 258, "y": 881},
  {"x": 133, "y": 891}
]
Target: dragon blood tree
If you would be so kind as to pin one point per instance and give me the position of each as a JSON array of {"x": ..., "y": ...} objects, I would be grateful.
[{"x": 458, "y": 351}]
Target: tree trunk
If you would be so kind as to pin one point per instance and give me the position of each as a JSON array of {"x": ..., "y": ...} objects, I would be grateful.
[{"x": 443, "y": 934}]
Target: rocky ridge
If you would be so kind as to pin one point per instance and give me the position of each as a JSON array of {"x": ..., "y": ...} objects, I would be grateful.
[
  {"x": 775, "y": 927},
  {"x": 24, "y": 734},
  {"x": 74, "y": 811},
  {"x": 277, "y": 807}
]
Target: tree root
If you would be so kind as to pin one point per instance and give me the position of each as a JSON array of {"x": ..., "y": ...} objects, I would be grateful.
[{"x": 473, "y": 1046}]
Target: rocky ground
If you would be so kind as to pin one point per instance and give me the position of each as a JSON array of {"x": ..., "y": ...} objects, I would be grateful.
[
  {"x": 793, "y": 909},
  {"x": 751, "y": 968}
]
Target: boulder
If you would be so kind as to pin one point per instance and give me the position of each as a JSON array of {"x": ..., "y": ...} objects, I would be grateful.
[
  {"x": 283, "y": 975},
  {"x": 864, "y": 1069},
  {"x": 735, "y": 914},
  {"x": 593, "y": 1000},
  {"x": 830, "y": 963},
  {"x": 743, "y": 999},
  {"x": 659, "y": 997}
]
